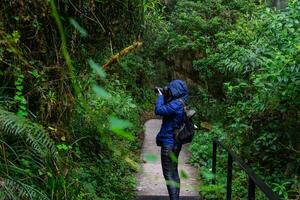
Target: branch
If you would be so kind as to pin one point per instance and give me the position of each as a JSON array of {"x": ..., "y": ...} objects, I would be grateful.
[{"x": 122, "y": 53}]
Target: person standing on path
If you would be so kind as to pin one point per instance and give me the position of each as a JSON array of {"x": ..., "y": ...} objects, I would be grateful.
[{"x": 169, "y": 105}]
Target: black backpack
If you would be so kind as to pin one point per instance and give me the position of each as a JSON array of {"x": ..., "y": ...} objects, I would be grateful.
[{"x": 186, "y": 132}]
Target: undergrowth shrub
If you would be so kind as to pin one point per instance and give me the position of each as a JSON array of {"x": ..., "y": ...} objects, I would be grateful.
[
  {"x": 27, "y": 152},
  {"x": 100, "y": 172}
]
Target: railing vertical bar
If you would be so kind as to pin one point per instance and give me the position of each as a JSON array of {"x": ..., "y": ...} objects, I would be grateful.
[
  {"x": 229, "y": 177},
  {"x": 214, "y": 162},
  {"x": 254, "y": 181},
  {"x": 251, "y": 189}
]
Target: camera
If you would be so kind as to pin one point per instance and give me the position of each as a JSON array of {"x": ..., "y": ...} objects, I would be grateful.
[{"x": 164, "y": 90}]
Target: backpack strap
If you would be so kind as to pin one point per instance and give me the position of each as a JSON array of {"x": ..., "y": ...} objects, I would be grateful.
[
  {"x": 185, "y": 117},
  {"x": 183, "y": 103},
  {"x": 184, "y": 107}
]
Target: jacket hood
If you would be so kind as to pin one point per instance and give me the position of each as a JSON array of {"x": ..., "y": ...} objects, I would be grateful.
[{"x": 179, "y": 89}]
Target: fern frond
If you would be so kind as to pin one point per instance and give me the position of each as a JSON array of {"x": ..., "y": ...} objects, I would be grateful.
[
  {"x": 34, "y": 134},
  {"x": 11, "y": 189}
]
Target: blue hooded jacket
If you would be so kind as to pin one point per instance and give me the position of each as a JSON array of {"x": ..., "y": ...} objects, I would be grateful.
[{"x": 172, "y": 112}]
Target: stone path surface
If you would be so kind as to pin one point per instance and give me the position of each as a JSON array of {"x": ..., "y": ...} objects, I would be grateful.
[{"x": 150, "y": 178}]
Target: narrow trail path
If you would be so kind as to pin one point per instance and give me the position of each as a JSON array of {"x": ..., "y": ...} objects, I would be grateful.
[{"x": 150, "y": 179}]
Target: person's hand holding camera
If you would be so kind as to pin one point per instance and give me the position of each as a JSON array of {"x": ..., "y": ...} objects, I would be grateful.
[{"x": 159, "y": 93}]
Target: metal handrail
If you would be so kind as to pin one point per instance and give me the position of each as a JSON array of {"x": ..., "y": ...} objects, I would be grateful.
[{"x": 253, "y": 179}]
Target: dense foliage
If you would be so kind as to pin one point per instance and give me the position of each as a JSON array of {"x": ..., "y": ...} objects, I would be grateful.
[
  {"x": 64, "y": 150},
  {"x": 243, "y": 62},
  {"x": 69, "y": 127}
]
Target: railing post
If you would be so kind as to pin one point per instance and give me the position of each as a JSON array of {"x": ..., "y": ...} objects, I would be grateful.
[
  {"x": 253, "y": 180},
  {"x": 229, "y": 177},
  {"x": 214, "y": 162},
  {"x": 251, "y": 189}
]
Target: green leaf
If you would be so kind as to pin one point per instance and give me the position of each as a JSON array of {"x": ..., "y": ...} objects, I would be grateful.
[
  {"x": 99, "y": 70},
  {"x": 101, "y": 92},
  {"x": 207, "y": 175},
  {"x": 19, "y": 87},
  {"x": 123, "y": 134},
  {"x": 117, "y": 123},
  {"x": 183, "y": 174},
  {"x": 22, "y": 114},
  {"x": 150, "y": 157},
  {"x": 173, "y": 157},
  {"x": 117, "y": 126},
  {"x": 173, "y": 183},
  {"x": 17, "y": 98},
  {"x": 81, "y": 30},
  {"x": 34, "y": 73},
  {"x": 23, "y": 107}
]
